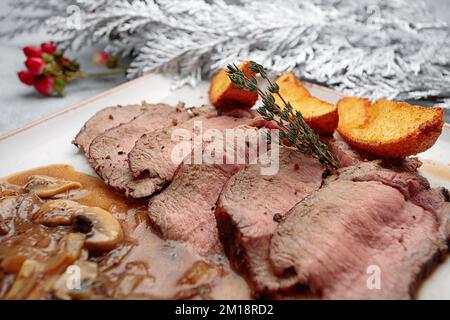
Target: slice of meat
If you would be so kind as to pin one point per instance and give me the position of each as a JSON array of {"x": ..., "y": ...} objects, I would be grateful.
[
  {"x": 348, "y": 157},
  {"x": 343, "y": 153},
  {"x": 152, "y": 154},
  {"x": 436, "y": 200},
  {"x": 103, "y": 120},
  {"x": 401, "y": 174},
  {"x": 250, "y": 207},
  {"x": 185, "y": 209},
  {"x": 108, "y": 153},
  {"x": 339, "y": 240}
]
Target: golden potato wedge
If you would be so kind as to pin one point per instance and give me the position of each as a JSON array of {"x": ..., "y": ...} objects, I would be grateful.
[
  {"x": 388, "y": 129},
  {"x": 223, "y": 94},
  {"x": 321, "y": 116}
]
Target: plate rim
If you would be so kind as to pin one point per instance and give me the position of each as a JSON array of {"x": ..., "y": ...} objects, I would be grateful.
[
  {"x": 116, "y": 89},
  {"x": 75, "y": 106}
]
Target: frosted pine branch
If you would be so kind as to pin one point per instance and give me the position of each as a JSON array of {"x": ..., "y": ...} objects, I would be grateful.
[{"x": 382, "y": 48}]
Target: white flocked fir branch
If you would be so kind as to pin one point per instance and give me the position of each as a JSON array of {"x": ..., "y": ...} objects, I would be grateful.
[{"x": 378, "y": 48}]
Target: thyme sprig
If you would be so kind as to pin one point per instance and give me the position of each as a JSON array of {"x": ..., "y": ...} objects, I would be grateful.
[{"x": 292, "y": 126}]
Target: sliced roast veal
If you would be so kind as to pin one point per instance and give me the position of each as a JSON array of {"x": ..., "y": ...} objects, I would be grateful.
[
  {"x": 339, "y": 240},
  {"x": 108, "y": 153},
  {"x": 399, "y": 174},
  {"x": 103, "y": 120},
  {"x": 402, "y": 175},
  {"x": 152, "y": 154},
  {"x": 185, "y": 209},
  {"x": 251, "y": 206}
]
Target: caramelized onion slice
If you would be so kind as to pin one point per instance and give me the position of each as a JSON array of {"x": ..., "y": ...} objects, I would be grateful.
[
  {"x": 55, "y": 213},
  {"x": 4, "y": 228},
  {"x": 8, "y": 208},
  {"x": 30, "y": 270},
  {"x": 25, "y": 281},
  {"x": 103, "y": 230},
  {"x": 47, "y": 187},
  {"x": 12, "y": 257},
  {"x": 200, "y": 272}
]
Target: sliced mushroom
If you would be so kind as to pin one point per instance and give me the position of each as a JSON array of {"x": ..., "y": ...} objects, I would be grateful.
[
  {"x": 7, "y": 190},
  {"x": 27, "y": 206},
  {"x": 103, "y": 231},
  {"x": 25, "y": 281},
  {"x": 47, "y": 187},
  {"x": 106, "y": 232},
  {"x": 71, "y": 247},
  {"x": 7, "y": 211},
  {"x": 37, "y": 265},
  {"x": 55, "y": 213}
]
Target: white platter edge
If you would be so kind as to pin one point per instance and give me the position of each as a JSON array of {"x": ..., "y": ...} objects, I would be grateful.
[{"x": 48, "y": 141}]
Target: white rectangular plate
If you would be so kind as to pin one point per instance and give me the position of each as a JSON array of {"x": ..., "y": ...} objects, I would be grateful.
[{"x": 48, "y": 141}]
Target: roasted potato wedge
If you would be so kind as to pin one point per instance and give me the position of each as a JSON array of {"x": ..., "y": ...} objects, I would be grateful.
[
  {"x": 388, "y": 129},
  {"x": 321, "y": 116},
  {"x": 223, "y": 94}
]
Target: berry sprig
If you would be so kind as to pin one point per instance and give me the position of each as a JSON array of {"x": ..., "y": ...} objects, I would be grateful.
[{"x": 49, "y": 70}]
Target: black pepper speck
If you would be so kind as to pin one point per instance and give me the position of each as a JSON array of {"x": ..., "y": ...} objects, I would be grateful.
[{"x": 277, "y": 217}]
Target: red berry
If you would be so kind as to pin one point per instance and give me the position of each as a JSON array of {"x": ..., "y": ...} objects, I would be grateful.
[
  {"x": 44, "y": 85},
  {"x": 31, "y": 51},
  {"x": 35, "y": 66},
  {"x": 100, "y": 58},
  {"x": 48, "y": 47},
  {"x": 26, "y": 78}
]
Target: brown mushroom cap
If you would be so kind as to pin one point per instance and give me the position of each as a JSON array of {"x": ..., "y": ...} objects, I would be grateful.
[{"x": 103, "y": 231}]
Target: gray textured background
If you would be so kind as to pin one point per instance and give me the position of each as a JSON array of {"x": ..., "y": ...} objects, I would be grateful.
[{"x": 21, "y": 105}]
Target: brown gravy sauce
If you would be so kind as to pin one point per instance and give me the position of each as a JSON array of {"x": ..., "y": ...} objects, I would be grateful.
[{"x": 143, "y": 266}]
